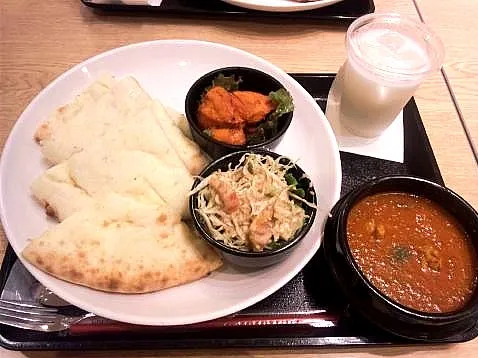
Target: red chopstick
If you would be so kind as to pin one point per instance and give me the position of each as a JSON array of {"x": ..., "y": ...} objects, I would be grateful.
[{"x": 318, "y": 319}]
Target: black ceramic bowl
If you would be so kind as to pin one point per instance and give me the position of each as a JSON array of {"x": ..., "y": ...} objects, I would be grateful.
[
  {"x": 368, "y": 300},
  {"x": 252, "y": 80},
  {"x": 249, "y": 258}
]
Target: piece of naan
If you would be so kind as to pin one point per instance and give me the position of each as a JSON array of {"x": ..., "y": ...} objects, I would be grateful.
[
  {"x": 58, "y": 194},
  {"x": 180, "y": 121},
  {"x": 187, "y": 149},
  {"x": 121, "y": 115},
  {"x": 119, "y": 244},
  {"x": 94, "y": 172}
]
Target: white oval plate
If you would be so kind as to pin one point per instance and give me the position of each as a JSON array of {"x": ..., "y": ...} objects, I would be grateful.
[
  {"x": 281, "y": 5},
  {"x": 166, "y": 69}
]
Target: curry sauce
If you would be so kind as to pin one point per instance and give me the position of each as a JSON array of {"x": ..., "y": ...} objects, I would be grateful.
[{"x": 413, "y": 251}]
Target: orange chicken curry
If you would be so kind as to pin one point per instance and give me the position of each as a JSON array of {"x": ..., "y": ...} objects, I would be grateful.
[{"x": 413, "y": 251}]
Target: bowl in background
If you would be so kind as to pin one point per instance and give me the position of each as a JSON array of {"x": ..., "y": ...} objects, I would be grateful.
[
  {"x": 252, "y": 80},
  {"x": 370, "y": 301},
  {"x": 250, "y": 258}
]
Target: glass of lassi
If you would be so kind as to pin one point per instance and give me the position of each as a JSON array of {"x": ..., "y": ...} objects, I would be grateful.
[{"x": 388, "y": 57}]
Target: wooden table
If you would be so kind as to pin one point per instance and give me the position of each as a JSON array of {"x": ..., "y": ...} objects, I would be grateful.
[
  {"x": 40, "y": 40},
  {"x": 461, "y": 67}
]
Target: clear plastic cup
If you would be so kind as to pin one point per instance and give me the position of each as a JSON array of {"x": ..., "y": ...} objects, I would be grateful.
[{"x": 388, "y": 57}]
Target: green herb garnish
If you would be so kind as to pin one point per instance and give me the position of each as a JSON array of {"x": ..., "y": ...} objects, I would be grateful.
[
  {"x": 274, "y": 245},
  {"x": 292, "y": 182},
  {"x": 262, "y": 131},
  {"x": 299, "y": 192},
  {"x": 229, "y": 83},
  {"x": 290, "y": 179},
  {"x": 400, "y": 254}
]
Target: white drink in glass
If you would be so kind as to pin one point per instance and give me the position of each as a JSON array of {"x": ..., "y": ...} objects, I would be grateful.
[{"x": 387, "y": 59}]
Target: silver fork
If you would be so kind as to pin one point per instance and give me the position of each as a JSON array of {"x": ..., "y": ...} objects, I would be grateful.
[
  {"x": 36, "y": 317},
  {"x": 48, "y": 298}
]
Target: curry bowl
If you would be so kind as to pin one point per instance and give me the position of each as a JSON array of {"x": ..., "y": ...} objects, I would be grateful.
[
  {"x": 237, "y": 108},
  {"x": 389, "y": 274},
  {"x": 276, "y": 251}
]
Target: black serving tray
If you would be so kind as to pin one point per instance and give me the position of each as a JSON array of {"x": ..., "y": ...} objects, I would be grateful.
[
  {"x": 342, "y": 12},
  {"x": 310, "y": 292}
]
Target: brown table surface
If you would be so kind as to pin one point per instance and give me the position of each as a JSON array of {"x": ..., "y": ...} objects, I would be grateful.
[
  {"x": 459, "y": 32},
  {"x": 41, "y": 39}
]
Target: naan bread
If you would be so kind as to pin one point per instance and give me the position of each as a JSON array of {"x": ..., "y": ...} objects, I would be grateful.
[
  {"x": 121, "y": 115},
  {"x": 180, "y": 121},
  {"x": 64, "y": 113},
  {"x": 58, "y": 193},
  {"x": 119, "y": 244},
  {"x": 119, "y": 185},
  {"x": 186, "y": 149},
  {"x": 94, "y": 172}
]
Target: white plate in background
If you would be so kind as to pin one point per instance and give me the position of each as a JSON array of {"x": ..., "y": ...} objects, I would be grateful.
[{"x": 281, "y": 5}]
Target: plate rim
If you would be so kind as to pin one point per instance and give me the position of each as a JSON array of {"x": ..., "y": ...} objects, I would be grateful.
[{"x": 199, "y": 317}]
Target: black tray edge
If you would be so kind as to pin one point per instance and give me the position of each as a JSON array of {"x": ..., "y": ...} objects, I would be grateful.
[{"x": 236, "y": 13}]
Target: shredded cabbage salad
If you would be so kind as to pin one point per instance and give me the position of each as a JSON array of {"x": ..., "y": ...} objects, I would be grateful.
[{"x": 252, "y": 206}]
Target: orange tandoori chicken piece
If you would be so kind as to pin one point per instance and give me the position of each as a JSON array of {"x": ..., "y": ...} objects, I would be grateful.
[
  {"x": 235, "y": 136},
  {"x": 226, "y": 113},
  {"x": 220, "y": 109},
  {"x": 228, "y": 196},
  {"x": 260, "y": 231},
  {"x": 256, "y": 106}
]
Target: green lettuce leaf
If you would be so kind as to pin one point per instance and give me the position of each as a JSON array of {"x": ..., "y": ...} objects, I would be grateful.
[
  {"x": 284, "y": 102},
  {"x": 269, "y": 127},
  {"x": 229, "y": 83}
]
